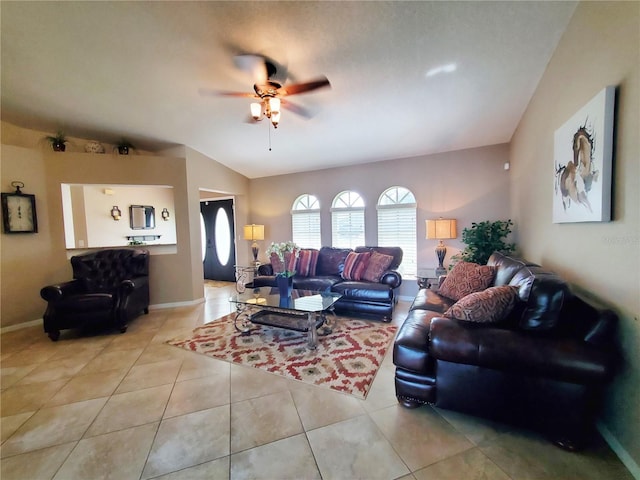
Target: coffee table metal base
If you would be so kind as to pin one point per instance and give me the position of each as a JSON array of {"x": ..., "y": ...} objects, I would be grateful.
[{"x": 308, "y": 322}]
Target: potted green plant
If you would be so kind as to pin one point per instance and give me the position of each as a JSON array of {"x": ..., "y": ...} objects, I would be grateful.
[
  {"x": 123, "y": 147},
  {"x": 484, "y": 238},
  {"x": 58, "y": 141}
]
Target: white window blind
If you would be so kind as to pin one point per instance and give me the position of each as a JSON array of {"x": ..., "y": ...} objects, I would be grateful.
[
  {"x": 397, "y": 225},
  {"x": 305, "y": 221},
  {"x": 306, "y": 229},
  {"x": 347, "y": 220},
  {"x": 347, "y": 228}
]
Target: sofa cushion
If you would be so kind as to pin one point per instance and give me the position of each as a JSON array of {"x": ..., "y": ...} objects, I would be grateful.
[
  {"x": 488, "y": 306},
  {"x": 378, "y": 264},
  {"x": 427, "y": 299},
  {"x": 290, "y": 260},
  {"x": 307, "y": 262},
  {"x": 331, "y": 260},
  {"x": 354, "y": 265},
  {"x": 466, "y": 278}
]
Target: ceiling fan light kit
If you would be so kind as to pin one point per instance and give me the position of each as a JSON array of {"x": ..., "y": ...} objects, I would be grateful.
[{"x": 270, "y": 108}]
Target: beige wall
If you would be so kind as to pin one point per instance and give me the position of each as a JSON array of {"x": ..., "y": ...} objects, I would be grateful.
[
  {"x": 469, "y": 185},
  {"x": 31, "y": 261},
  {"x": 600, "y": 47}
]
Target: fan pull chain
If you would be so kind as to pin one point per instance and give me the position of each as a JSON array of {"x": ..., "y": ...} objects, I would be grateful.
[{"x": 269, "y": 135}]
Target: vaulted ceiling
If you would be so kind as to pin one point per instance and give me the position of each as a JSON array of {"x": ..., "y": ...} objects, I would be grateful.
[{"x": 407, "y": 78}]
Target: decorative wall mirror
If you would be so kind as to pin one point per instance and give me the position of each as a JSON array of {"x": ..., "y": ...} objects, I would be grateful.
[{"x": 142, "y": 217}]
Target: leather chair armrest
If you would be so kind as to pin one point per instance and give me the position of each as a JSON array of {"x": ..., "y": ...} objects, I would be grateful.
[
  {"x": 131, "y": 284},
  {"x": 564, "y": 359},
  {"x": 266, "y": 269},
  {"x": 55, "y": 293},
  {"x": 391, "y": 278}
]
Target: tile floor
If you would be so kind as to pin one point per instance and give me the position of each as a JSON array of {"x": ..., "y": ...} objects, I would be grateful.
[{"x": 130, "y": 407}]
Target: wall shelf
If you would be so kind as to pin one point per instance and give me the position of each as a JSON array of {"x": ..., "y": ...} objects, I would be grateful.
[{"x": 143, "y": 238}]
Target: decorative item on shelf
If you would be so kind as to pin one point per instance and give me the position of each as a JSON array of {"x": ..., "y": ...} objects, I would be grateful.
[
  {"x": 441, "y": 229},
  {"x": 94, "y": 147},
  {"x": 253, "y": 233},
  {"x": 19, "y": 211},
  {"x": 58, "y": 141},
  {"x": 165, "y": 214},
  {"x": 484, "y": 238},
  {"x": 116, "y": 213},
  {"x": 124, "y": 146}
]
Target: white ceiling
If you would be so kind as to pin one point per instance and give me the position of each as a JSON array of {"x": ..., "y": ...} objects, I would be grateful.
[{"x": 105, "y": 70}]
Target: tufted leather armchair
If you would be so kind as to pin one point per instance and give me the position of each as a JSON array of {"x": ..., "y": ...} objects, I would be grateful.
[{"x": 109, "y": 287}]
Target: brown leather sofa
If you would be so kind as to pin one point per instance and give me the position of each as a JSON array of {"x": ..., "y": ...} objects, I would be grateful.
[
  {"x": 376, "y": 299},
  {"x": 545, "y": 366},
  {"x": 109, "y": 289}
]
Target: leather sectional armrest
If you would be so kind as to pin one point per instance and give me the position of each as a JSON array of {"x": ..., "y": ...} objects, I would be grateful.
[
  {"x": 391, "y": 278},
  {"x": 411, "y": 346}
]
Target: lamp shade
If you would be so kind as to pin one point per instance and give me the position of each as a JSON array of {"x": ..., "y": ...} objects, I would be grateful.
[
  {"x": 256, "y": 111},
  {"x": 254, "y": 232},
  {"x": 441, "y": 229}
]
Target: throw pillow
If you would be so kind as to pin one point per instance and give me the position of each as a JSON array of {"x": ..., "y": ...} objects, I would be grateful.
[
  {"x": 307, "y": 261},
  {"x": 466, "y": 278},
  {"x": 488, "y": 306},
  {"x": 290, "y": 259},
  {"x": 354, "y": 265},
  {"x": 378, "y": 264}
]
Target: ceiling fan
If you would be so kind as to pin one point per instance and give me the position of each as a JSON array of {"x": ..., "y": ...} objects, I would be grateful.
[{"x": 268, "y": 89}]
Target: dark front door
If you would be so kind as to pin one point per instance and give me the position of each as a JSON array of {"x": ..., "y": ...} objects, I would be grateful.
[{"x": 219, "y": 253}]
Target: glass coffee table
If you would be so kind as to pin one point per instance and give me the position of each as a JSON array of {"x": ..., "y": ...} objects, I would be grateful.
[{"x": 304, "y": 311}]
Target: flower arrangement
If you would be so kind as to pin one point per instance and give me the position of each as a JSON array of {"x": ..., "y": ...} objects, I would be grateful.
[{"x": 280, "y": 249}]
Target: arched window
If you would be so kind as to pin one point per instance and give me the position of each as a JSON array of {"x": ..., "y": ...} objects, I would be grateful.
[
  {"x": 305, "y": 221},
  {"x": 397, "y": 225},
  {"x": 347, "y": 220}
]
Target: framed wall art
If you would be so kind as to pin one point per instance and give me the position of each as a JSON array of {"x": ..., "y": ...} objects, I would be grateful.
[
  {"x": 19, "y": 211},
  {"x": 582, "y": 157}
]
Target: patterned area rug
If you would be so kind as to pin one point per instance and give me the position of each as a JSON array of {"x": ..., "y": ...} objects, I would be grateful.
[{"x": 345, "y": 360}]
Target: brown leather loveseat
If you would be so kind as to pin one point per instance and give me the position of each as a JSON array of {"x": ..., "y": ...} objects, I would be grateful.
[
  {"x": 544, "y": 366},
  {"x": 109, "y": 289},
  {"x": 376, "y": 297}
]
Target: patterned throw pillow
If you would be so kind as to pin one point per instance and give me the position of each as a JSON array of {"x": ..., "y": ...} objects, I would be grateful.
[
  {"x": 307, "y": 261},
  {"x": 289, "y": 258},
  {"x": 354, "y": 265},
  {"x": 488, "y": 306},
  {"x": 378, "y": 264},
  {"x": 466, "y": 278}
]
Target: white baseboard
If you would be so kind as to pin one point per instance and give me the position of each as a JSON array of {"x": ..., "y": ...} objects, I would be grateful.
[
  {"x": 158, "y": 306},
  {"x": 619, "y": 450},
  {"x": 190, "y": 303},
  {"x": 18, "y": 326}
]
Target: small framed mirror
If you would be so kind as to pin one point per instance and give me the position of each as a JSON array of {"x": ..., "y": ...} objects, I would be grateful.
[{"x": 142, "y": 217}]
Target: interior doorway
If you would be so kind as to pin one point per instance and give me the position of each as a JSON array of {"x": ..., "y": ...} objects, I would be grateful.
[{"x": 218, "y": 239}]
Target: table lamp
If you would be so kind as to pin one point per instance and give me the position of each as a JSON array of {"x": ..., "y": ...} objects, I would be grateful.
[
  {"x": 441, "y": 229},
  {"x": 254, "y": 232}
]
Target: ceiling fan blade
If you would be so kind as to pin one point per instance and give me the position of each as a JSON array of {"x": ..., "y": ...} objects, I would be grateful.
[
  {"x": 256, "y": 65},
  {"x": 220, "y": 93},
  {"x": 297, "y": 109},
  {"x": 304, "y": 87}
]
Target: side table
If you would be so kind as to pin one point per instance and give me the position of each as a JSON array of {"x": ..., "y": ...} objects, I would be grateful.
[
  {"x": 427, "y": 278},
  {"x": 243, "y": 274}
]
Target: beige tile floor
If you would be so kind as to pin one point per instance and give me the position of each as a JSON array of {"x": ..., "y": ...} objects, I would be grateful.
[{"x": 130, "y": 407}]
